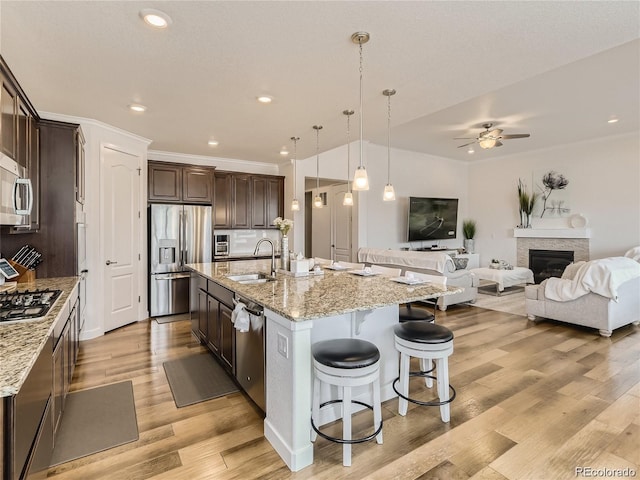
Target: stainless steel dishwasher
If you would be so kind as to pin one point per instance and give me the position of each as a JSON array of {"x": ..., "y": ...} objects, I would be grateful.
[{"x": 250, "y": 354}]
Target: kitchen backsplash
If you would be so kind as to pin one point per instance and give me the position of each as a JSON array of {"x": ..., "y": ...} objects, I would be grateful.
[{"x": 244, "y": 241}]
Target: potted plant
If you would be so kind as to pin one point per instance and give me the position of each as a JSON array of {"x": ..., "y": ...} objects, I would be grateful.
[
  {"x": 526, "y": 203},
  {"x": 469, "y": 231}
]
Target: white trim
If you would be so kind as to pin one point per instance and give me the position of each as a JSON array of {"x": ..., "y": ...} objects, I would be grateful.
[
  {"x": 90, "y": 121},
  {"x": 295, "y": 460},
  {"x": 227, "y": 164},
  {"x": 552, "y": 232}
]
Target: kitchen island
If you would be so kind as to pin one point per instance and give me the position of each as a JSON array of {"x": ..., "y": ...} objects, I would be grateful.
[{"x": 300, "y": 311}]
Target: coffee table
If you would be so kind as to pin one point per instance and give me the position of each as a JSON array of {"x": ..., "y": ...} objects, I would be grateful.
[{"x": 504, "y": 278}]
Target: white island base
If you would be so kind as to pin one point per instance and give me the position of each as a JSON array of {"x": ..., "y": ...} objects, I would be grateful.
[{"x": 289, "y": 374}]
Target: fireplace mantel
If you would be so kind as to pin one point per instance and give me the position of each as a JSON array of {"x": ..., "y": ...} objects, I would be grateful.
[{"x": 552, "y": 232}]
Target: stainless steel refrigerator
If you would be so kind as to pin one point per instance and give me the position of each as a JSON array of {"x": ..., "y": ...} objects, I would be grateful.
[{"x": 178, "y": 234}]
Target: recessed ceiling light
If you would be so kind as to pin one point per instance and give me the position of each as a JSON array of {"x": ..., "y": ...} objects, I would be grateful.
[
  {"x": 136, "y": 107},
  {"x": 265, "y": 99},
  {"x": 470, "y": 150},
  {"x": 613, "y": 120},
  {"x": 155, "y": 18},
  {"x": 213, "y": 143},
  {"x": 284, "y": 151}
]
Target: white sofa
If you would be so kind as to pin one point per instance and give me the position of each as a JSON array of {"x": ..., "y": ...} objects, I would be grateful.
[
  {"x": 433, "y": 263},
  {"x": 589, "y": 310}
]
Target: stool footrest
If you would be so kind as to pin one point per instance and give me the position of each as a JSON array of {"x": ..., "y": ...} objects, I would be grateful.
[
  {"x": 432, "y": 403},
  {"x": 342, "y": 440}
]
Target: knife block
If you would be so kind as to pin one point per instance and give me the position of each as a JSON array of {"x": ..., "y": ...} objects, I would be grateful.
[{"x": 26, "y": 275}]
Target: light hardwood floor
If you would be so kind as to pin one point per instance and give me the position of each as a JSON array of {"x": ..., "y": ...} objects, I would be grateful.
[{"x": 535, "y": 401}]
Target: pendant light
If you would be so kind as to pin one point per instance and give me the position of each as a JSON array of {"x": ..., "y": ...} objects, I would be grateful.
[
  {"x": 389, "y": 194},
  {"x": 348, "y": 197},
  {"x": 360, "y": 180},
  {"x": 317, "y": 200},
  {"x": 295, "y": 205}
]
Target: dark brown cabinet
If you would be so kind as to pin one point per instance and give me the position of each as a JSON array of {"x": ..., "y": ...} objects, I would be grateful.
[
  {"x": 175, "y": 183},
  {"x": 227, "y": 337},
  {"x": 247, "y": 201},
  {"x": 56, "y": 238},
  {"x": 80, "y": 168},
  {"x": 8, "y": 119},
  {"x": 203, "y": 320},
  {"x": 267, "y": 201},
  {"x": 213, "y": 325},
  {"x": 241, "y": 201},
  {"x": 222, "y": 200}
]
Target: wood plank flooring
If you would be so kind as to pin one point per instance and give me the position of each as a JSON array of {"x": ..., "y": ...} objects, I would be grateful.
[{"x": 535, "y": 401}]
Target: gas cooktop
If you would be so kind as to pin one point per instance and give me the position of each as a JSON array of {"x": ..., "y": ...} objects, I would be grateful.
[{"x": 27, "y": 305}]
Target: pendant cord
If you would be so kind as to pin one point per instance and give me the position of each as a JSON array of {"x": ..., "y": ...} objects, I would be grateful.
[
  {"x": 361, "y": 129},
  {"x": 318, "y": 159},
  {"x": 389, "y": 140},
  {"x": 348, "y": 152}
]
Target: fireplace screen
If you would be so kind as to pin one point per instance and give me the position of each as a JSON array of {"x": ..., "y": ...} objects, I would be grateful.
[{"x": 548, "y": 263}]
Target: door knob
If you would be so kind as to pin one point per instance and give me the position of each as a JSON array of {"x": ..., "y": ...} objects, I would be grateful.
[{"x": 109, "y": 262}]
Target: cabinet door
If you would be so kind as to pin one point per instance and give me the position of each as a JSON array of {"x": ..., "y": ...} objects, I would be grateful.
[
  {"x": 259, "y": 196},
  {"x": 34, "y": 173},
  {"x": 165, "y": 183},
  {"x": 241, "y": 201},
  {"x": 221, "y": 200},
  {"x": 196, "y": 185},
  {"x": 227, "y": 337},
  {"x": 202, "y": 315},
  {"x": 274, "y": 201},
  {"x": 80, "y": 167},
  {"x": 8, "y": 119},
  {"x": 213, "y": 322},
  {"x": 24, "y": 145},
  {"x": 58, "y": 383}
]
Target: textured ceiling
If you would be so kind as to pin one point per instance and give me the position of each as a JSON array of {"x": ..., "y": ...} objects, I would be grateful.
[{"x": 547, "y": 68}]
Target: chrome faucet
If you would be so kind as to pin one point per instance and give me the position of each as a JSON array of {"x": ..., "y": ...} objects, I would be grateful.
[{"x": 273, "y": 254}]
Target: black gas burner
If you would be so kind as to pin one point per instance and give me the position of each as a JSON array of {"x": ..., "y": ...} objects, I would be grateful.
[{"x": 27, "y": 305}]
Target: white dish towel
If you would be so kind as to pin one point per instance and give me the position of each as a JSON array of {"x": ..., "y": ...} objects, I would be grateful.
[{"x": 240, "y": 317}]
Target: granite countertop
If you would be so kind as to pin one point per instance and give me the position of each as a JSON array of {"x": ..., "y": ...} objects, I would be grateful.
[
  {"x": 22, "y": 342},
  {"x": 315, "y": 296}
]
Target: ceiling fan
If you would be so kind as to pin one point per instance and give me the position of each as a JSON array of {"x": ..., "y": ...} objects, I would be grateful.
[{"x": 490, "y": 138}]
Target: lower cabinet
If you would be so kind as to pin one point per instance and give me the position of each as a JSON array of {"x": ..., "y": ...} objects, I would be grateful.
[{"x": 213, "y": 327}]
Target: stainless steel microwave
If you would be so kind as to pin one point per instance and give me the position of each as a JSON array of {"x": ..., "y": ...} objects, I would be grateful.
[{"x": 16, "y": 193}]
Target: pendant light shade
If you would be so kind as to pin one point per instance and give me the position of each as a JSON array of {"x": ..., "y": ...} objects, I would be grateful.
[
  {"x": 360, "y": 179},
  {"x": 389, "y": 194},
  {"x": 347, "y": 201},
  {"x": 295, "y": 204},
  {"x": 317, "y": 200}
]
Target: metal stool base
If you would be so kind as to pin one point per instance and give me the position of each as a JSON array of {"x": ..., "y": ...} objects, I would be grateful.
[
  {"x": 342, "y": 440},
  {"x": 432, "y": 403}
]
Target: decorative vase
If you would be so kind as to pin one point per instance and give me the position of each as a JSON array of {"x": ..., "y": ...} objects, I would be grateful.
[
  {"x": 284, "y": 253},
  {"x": 469, "y": 245}
]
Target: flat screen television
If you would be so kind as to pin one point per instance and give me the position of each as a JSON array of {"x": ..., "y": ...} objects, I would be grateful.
[{"x": 432, "y": 218}]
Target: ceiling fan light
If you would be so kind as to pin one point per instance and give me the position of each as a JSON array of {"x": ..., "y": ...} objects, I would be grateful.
[
  {"x": 348, "y": 199},
  {"x": 389, "y": 194},
  {"x": 487, "y": 142},
  {"x": 360, "y": 179}
]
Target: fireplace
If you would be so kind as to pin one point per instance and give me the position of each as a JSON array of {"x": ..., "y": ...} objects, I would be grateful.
[{"x": 548, "y": 263}]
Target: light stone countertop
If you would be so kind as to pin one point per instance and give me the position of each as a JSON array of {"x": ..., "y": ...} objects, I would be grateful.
[
  {"x": 22, "y": 342},
  {"x": 316, "y": 296}
]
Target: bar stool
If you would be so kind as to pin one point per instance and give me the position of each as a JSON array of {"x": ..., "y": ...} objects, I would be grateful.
[
  {"x": 346, "y": 363},
  {"x": 411, "y": 312},
  {"x": 427, "y": 342}
]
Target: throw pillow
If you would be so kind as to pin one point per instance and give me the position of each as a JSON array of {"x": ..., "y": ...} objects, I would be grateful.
[
  {"x": 571, "y": 270},
  {"x": 460, "y": 263}
]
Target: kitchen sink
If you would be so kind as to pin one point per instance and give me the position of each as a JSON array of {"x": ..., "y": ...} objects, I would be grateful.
[{"x": 248, "y": 278}]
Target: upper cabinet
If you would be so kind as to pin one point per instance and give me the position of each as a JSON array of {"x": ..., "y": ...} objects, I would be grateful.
[
  {"x": 9, "y": 119},
  {"x": 80, "y": 167},
  {"x": 246, "y": 201},
  {"x": 170, "y": 182}
]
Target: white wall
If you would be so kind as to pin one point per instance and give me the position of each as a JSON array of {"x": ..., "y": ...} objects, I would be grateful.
[
  {"x": 378, "y": 223},
  {"x": 604, "y": 181}
]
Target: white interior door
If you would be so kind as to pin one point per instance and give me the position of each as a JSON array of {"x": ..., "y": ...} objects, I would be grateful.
[
  {"x": 121, "y": 237},
  {"x": 321, "y": 227},
  {"x": 340, "y": 225}
]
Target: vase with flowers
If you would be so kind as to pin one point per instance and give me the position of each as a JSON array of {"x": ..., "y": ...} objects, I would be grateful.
[{"x": 284, "y": 225}]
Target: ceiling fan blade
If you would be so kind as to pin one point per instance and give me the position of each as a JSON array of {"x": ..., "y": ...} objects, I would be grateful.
[
  {"x": 460, "y": 146},
  {"x": 464, "y": 138},
  {"x": 498, "y": 143},
  {"x": 516, "y": 135},
  {"x": 496, "y": 132}
]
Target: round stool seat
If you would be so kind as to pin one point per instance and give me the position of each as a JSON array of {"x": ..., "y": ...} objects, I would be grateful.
[
  {"x": 423, "y": 332},
  {"x": 411, "y": 313},
  {"x": 345, "y": 353}
]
